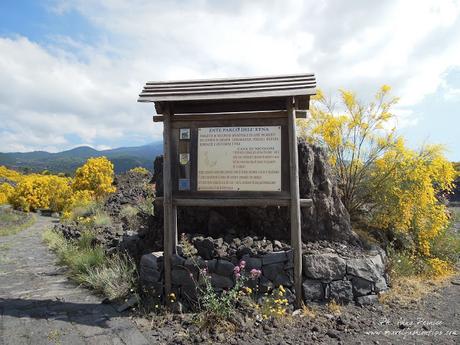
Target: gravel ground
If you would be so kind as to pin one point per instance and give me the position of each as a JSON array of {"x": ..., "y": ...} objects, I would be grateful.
[{"x": 38, "y": 305}]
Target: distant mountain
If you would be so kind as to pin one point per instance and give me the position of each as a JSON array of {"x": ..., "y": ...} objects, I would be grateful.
[{"x": 123, "y": 158}]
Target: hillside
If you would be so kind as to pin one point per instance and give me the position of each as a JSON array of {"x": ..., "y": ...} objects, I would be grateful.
[{"x": 123, "y": 158}]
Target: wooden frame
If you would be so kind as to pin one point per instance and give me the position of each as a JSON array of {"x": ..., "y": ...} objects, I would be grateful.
[{"x": 260, "y": 101}]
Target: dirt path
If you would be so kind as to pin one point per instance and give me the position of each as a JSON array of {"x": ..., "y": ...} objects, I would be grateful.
[{"x": 39, "y": 305}]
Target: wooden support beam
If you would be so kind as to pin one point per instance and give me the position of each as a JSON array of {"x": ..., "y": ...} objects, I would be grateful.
[
  {"x": 170, "y": 214},
  {"x": 296, "y": 238},
  {"x": 184, "y": 202},
  {"x": 232, "y": 116}
]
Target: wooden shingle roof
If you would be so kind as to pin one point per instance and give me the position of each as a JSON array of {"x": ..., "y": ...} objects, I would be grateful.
[{"x": 227, "y": 89}]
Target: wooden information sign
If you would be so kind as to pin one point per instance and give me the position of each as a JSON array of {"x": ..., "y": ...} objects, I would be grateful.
[
  {"x": 239, "y": 158},
  {"x": 231, "y": 142}
]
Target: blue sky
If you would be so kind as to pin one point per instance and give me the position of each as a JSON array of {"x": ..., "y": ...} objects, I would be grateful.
[{"x": 70, "y": 71}]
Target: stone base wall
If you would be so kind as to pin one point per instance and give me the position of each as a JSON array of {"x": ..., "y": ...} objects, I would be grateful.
[{"x": 327, "y": 275}]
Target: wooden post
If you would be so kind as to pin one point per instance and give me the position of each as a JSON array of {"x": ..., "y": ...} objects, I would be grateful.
[
  {"x": 296, "y": 237},
  {"x": 170, "y": 211}
]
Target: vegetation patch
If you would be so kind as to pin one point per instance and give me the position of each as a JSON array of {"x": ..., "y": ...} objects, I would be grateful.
[
  {"x": 114, "y": 276},
  {"x": 12, "y": 222}
]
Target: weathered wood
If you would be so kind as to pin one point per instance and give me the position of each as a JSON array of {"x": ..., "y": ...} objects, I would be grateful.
[
  {"x": 296, "y": 239},
  {"x": 238, "y": 88},
  {"x": 232, "y": 116},
  {"x": 250, "y": 93},
  {"x": 169, "y": 214},
  {"x": 170, "y": 88},
  {"x": 225, "y": 106},
  {"x": 255, "y": 202},
  {"x": 232, "y": 80}
]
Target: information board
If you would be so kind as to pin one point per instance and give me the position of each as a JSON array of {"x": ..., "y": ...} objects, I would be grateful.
[{"x": 239, "y": 158}]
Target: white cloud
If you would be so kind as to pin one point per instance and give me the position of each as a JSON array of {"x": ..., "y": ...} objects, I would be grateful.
[{"x": 69, "y": 87}]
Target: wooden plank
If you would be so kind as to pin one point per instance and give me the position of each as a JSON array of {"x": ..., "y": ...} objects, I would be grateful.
[
  {"x": 169, "y": 223},
  {"x": 226, "y": 106},
  {"x": 296, "y": 238},
  {"x": 219, "y": 91},
  {"x": 254, "y": 202},
  {"x": 228, "y": 86},
  {"x": 233, "y": 116},
  {"x": 227, "y": 95},
  {"x": 240, "y": 79}
]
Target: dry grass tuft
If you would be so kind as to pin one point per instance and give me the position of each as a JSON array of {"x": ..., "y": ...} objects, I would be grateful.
[
  {"x": 307, "y": 311},
  {"x": 409, "y": 290},
  {"x": 334, "y": 308}
]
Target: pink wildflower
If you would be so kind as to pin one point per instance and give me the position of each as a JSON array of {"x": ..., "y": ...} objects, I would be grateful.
[
  {"x": 237, "y": 275},
  {"x": 236, "y": 270},
  {"x": 255, "y": 273}
]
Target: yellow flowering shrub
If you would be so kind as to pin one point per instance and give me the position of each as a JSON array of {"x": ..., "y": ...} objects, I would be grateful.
[
  {"x": 354, "y": 136},
  {"x": 79, "y": 199},
  {"x": 382, "y": 182},
  {"x": 406, "y": 199},
  {"x": 5, "y": 192},
  {"x": 95, "y": 175},
  {"x": 440, "y": 267},
  {"x": 41, "y": 191},
  {"x": 140, "y": 170},
  {"x": 10, "y": 174}
]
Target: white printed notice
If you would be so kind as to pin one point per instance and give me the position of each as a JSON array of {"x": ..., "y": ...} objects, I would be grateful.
[{"x": 239, "y": 158}]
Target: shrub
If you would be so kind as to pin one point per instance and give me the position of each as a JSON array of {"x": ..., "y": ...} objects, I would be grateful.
[
  {"x": 96, "y": 175},
  {"x": 10, "y": 174},
  {"x": 41, "y": 191},
  {"x": 80, "y": 204},
  {"x": 6, "y": 190},
  {"x": 384, "y": 184},
  {"x": 406, "y": 199},
  {"x": 140, "y": 170},
  {"x": 354, "y": 137}
]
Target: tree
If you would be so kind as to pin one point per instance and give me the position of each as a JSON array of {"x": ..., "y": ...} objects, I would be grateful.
[
  {"x": 355, "y": 136},
  {"x": 383, "y": 182}
]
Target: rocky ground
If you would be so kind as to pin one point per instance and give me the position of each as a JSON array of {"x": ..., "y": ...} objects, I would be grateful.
[
  {"x": 435, "y": 319},
  {"x": 38, "y": 305}
]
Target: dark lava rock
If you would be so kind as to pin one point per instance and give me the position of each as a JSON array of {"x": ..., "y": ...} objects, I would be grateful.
[{"x": 327, "y": 219}]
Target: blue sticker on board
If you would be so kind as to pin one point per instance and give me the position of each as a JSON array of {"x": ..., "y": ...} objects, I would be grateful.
[{"x": 184, "y": 184}]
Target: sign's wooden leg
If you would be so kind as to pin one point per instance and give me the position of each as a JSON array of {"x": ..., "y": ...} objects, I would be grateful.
[
  {"x": 169, "y": 216},
  {"x": 296, "y": 236}
]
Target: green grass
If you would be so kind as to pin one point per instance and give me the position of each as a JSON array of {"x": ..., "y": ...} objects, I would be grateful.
[
  {"x": 79, "y": 256},
  {"x": 12, "y": 222},
  {"x": 5, "y": 246},
  {"x": 113, "y": 276},
  {"x": 114, "y": 279}
]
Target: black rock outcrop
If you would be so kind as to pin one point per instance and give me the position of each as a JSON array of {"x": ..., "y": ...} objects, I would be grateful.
[{"x": 327, "y": 219}]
